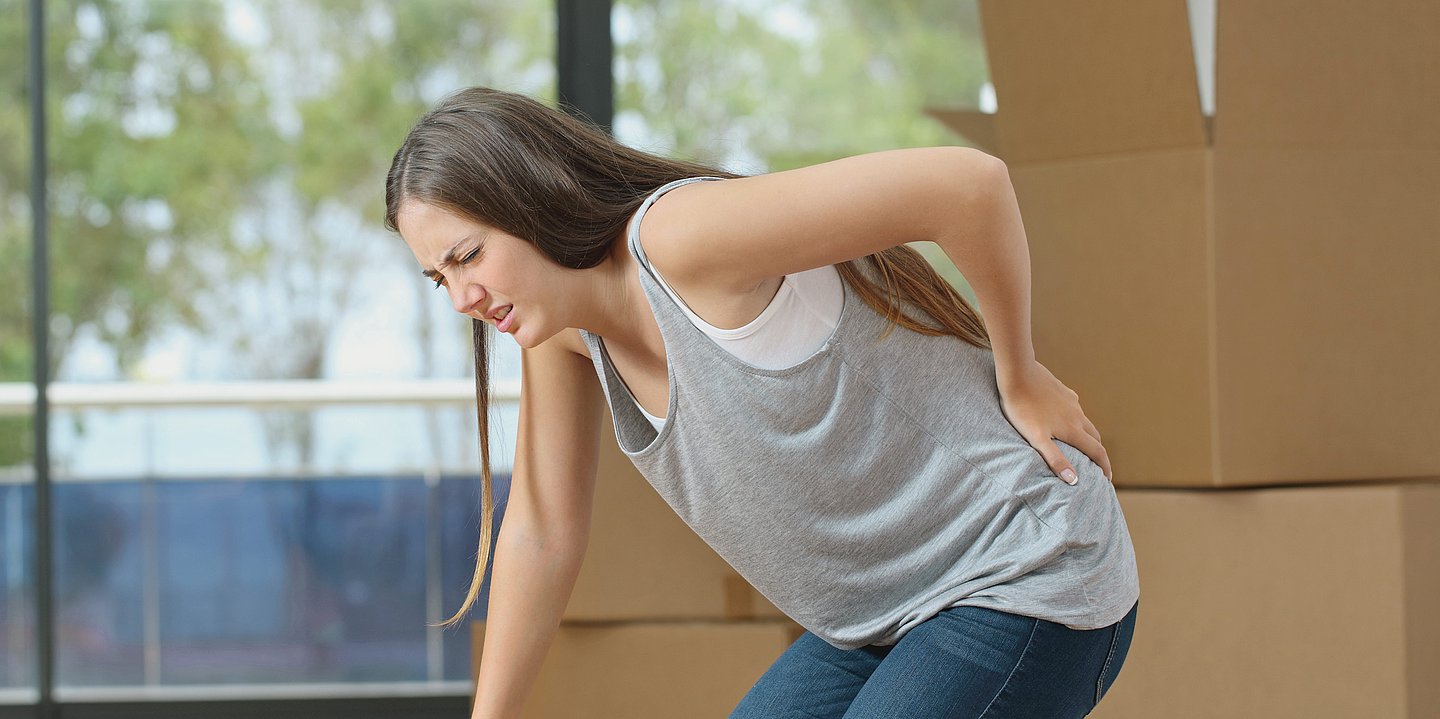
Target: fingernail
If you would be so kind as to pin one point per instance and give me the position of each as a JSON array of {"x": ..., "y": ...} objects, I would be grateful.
[{"x": 1068, "y": 475}]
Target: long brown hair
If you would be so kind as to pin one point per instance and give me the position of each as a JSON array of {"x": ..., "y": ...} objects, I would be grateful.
[{"x": 507, "y": 161}]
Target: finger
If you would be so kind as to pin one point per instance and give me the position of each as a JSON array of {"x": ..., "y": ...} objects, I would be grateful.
[
  {"x": 1094, "y": 450},
  {"x": 1058, "y": 464},
  {"x": 1094, "y": 431}
]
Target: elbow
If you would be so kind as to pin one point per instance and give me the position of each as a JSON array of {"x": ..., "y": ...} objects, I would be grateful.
[
  {"x": 980, "y": 179},
  {"x": 555, "y": 537},
  {"x": 992, "y": 181},
  {"x": 975, "y": 169},
  {"x": 557, "y": 552},
  {"x": 989, "y": 166}
]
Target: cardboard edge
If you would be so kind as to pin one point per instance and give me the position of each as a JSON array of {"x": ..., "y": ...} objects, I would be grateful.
[
  {"x": 1217, "y": 472},
  {"x": 1032, "y": 47},
  {"x": 789, "y": 630},
  {"x": 979, "y": 128},
  {"x": 1419, "y": 505}
]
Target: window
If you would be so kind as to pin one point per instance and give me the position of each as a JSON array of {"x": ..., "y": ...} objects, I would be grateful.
[
  {"x": 766, "y": 86},
  {"x": 216, "y": 191}
]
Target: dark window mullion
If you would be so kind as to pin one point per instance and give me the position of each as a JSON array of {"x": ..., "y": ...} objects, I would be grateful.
[
  {"x": 583, "y": 52},
  {"x": 40, "y": 325}
]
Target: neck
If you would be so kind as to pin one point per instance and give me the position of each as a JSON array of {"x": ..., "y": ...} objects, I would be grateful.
[{"x": 613, "y": 305}]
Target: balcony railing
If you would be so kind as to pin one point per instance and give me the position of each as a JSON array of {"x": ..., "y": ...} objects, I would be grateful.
[
  {"x": 18, "y": 398},
  {"x": 141, "y": 509}
]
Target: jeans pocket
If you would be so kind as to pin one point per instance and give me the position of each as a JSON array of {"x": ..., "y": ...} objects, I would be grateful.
[{"x": 1119, "y": 648}]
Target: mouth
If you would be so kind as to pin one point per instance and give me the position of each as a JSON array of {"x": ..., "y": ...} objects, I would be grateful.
[
  {"x": 499, "y": 313},
  {"x": 504, "y": 318}
]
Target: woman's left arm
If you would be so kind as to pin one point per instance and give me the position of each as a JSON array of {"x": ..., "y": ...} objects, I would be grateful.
[
  {"x": 735, "y": 234},
  {"x": 1037, "y": 403}
]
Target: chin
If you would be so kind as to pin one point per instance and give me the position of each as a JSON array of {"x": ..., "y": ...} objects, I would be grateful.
[{"x": 529, "y": 340}]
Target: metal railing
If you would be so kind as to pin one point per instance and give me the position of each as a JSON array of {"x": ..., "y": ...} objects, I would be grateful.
[{"x": 19, "y": 399}]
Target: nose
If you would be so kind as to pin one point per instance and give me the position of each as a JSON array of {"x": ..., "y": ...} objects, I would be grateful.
[{"x": 467, "y": 297}]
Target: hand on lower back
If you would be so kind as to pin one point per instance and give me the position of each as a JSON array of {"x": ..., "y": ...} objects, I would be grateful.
[{"x": 1043, "y": 409}]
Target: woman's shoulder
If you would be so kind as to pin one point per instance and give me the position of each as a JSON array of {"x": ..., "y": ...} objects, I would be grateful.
[{"x": 741, "y": 232}]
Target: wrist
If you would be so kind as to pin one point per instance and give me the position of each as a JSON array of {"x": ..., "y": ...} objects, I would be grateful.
[{"x": 1012, "y": 370}]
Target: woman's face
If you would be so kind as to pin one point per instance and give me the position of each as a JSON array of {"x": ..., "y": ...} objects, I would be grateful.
[{"x": 490, "y": 275}]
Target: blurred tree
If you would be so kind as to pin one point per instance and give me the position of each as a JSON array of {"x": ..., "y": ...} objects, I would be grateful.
[
  {"x": 16, "y": 358},
  {"x": 15, "y": 352},
  {"x": 794, "y": 82},
  {"x": 347, "y": 80},
  {"x": 155, "y": 131},
  {"x": 158, "y": 135},
  {"x": 763, "y": 87},
  {"x": 218, "y": 167}
]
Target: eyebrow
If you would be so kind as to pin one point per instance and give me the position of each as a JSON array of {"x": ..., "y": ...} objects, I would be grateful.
[{"x": 446, "y": 260}]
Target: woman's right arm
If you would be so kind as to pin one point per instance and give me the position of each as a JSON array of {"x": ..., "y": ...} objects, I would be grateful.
[{"x": 547, "y": 521}]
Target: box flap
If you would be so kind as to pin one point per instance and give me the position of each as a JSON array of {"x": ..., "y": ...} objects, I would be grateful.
[
  {"x": 1082, "y": 79},
  {"x": 977, "y": 127},
  {"x": 1299, "y": 73}
]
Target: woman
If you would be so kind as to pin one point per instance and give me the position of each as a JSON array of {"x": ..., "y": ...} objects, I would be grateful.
[{"x": 819, "y": 405}]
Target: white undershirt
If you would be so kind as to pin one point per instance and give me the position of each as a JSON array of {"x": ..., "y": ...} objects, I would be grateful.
[{"x": 795, "y": 324}]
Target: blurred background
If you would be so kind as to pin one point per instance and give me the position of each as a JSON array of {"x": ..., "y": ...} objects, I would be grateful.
[{"x": 260, "y": 437}]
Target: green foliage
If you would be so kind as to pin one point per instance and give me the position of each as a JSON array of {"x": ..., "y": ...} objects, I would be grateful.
[
  {"x": 16, "y": 352},
  {"x": 161, "y": 131},
  {"x": 357, "y": 75},
  {"x": 15, "y": 229},
  {"x": 354, "y": 123},
  {"x": 798, "y": 82},
  {"x": 156, "y": 135},
  {"x": 168, "y": 129},
  {"x": 795, "y": 82}
]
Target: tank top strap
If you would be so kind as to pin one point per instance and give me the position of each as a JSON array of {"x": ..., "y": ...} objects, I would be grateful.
[{"x": 633, "y": 238}]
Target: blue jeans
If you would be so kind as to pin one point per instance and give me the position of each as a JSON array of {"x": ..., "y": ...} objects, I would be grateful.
[{"x": 963, "y": 662}]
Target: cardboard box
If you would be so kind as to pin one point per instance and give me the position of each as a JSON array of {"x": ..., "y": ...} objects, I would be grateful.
[
  {"x": 1094, "y": 78},
  {"x": 1120, "y": 261},
  {"x": 1257, "y": 308},
  {"x": 645, "y": 563},
  {"x": 1312, "y": 602},
  {"x": 1293, "y": 73},
  {"x": 979, "y": 128},
  {"x": 640, "y": 670},
  {"x": 1243, "y": 318}
]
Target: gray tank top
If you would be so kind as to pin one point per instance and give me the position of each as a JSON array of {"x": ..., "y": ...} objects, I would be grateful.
[{"x": 873, "y": 484}]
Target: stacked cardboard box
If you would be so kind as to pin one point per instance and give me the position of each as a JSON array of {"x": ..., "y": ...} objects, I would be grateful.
[
  {"x": 658, "y": 625},
  {"x": 1248, "y": 307},
  {"x": 651, "y": 670},
  {"x": 1312, "y": 601},
  {"x": 645, "y": 564}
]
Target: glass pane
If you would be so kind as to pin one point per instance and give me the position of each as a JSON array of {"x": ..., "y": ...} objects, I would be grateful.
[
  {"x": 460, "y": 523},
  {"x": 17, "y": 428},
  {"x": 219, "y": 174},
  {"x": 695, "y": 79},
  {"x": 172, "y": 568},
  {"x": 264, "y": 580},
  {"x": 17, "y": 603}
]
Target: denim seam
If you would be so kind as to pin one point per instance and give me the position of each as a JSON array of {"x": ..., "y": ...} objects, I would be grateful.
[
  {"x": 1100, "y": 683},
  {"x": 1033, "y": 628}
]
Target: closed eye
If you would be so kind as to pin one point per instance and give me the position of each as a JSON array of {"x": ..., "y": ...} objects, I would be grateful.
[{"x": 439, "y": 279}]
